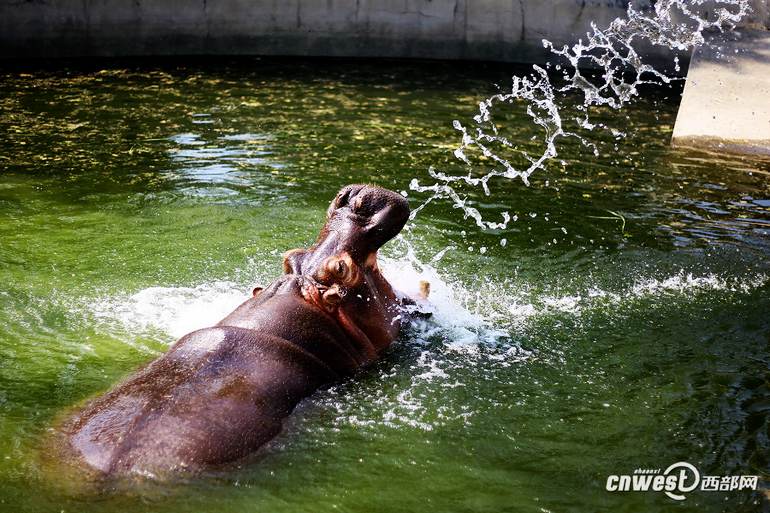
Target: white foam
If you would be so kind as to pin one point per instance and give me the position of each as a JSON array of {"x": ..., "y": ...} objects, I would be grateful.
[
  {"x": 444, "y": 304},
  {"x": 489, "y": 312},
  {"x": 687, "y": 281},
  {"x": 681, "y": 284},
  {"x": 174, "y": 311}
]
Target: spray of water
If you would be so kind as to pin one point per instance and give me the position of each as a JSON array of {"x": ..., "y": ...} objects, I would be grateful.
[{"x": 617, "y": 71}]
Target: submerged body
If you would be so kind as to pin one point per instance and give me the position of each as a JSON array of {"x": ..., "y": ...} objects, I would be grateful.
[{"x": 222, "y": 392}]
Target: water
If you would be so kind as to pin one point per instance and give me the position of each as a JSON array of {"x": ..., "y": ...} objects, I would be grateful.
[{"x": 622, "y": 324}]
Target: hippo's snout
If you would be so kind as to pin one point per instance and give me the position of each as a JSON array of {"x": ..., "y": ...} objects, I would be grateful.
[
  {"x": 368, "y": 200},
  {"x": 375, "y": 213}
]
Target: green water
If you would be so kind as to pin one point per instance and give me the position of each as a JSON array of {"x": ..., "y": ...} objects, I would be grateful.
[{"x": 139, "y": 201}]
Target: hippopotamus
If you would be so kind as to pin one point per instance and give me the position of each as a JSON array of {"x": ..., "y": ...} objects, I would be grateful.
[{"x": 222, "y": 392}]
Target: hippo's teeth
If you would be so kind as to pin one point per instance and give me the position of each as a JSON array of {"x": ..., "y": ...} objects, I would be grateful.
[{"x": 424, "y": 289}]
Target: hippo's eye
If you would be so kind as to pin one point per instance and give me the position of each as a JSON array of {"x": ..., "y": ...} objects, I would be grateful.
[{"x": 339, "y": 269}]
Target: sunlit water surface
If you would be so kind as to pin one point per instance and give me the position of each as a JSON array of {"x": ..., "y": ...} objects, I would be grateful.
[{"x": 621, "y": 321}]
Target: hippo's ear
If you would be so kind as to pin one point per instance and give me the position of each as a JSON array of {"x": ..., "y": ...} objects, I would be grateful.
[{"x": 292, "y": 261}]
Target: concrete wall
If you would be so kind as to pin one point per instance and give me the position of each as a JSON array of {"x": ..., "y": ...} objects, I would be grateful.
[{"x": 503, "y": 30}]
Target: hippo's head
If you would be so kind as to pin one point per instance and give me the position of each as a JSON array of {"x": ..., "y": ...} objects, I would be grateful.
[
  {"x": 340, "y": 269},
  {"x": 366, "y": 216},
  {"x": 360, "y": 219}
]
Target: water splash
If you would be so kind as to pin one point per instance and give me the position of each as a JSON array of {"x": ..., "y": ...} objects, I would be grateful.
[
  {"x": 170, "y": 312},
  {"x": 617, "y": 69},
  {"x": 436, "y": 361},
  {"x": 465, "y": 318},
  {"x": 476, "y": 330}
]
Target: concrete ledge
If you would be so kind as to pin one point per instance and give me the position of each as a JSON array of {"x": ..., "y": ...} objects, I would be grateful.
[
  {"x": 726, "y": 99},
  {"x": 753, "y": 147}
]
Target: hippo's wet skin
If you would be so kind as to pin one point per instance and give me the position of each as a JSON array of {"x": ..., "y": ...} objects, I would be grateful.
[{"x": 220, "y": 393}]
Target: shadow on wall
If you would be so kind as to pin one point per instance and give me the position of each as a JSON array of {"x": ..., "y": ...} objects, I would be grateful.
[
  {"x": 760, "y": 18},
  {"x": 747, "y": 46}
]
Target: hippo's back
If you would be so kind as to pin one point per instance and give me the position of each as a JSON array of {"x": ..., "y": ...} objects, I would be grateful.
[{"x": 217, "y": 395}]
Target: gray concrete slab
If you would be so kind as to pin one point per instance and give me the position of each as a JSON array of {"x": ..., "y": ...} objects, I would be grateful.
[{"x": 726, "y": 100}]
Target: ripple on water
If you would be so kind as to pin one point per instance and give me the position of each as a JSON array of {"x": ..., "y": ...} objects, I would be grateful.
[{"x": 222, "y": 165}]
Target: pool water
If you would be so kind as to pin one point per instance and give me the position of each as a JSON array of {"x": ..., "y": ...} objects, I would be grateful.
[{"x": 621, "y": 322}]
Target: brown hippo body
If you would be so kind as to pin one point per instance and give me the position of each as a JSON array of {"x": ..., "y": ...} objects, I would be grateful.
[{"x": 222, "y": 392}]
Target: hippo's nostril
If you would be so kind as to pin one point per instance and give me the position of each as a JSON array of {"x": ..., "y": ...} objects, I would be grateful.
[
  {"x": 343, "y": 198},
  {"x": 357, "y": 203}
]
